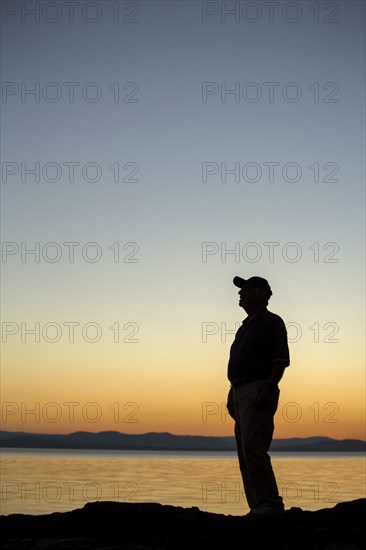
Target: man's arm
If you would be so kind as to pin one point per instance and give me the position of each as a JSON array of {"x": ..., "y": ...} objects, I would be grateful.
[
  {"x": 276, "y": 373},
  {"x": 280, "y": 360},
  {"x": 280, "y": 352}
]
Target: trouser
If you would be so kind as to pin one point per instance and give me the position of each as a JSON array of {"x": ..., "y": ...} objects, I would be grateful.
[{"x": 253, "y": 434}]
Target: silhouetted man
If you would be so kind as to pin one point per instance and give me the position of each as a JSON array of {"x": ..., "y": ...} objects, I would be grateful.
[{"x": 258, "y": 357}]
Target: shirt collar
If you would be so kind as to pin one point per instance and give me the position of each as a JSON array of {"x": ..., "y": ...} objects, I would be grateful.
[{"x": 256, "y": 317}]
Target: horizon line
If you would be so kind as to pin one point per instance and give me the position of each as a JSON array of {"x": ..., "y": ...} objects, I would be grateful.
[{"x": 172, "y": 434}]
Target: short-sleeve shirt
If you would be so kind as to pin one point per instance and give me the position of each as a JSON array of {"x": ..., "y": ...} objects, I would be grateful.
[{"x": 259, "y": 342}]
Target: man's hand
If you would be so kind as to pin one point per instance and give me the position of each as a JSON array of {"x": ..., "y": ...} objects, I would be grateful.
[
  {"x": 230, "y": 404},
  {"x": 265, "y": 397}
]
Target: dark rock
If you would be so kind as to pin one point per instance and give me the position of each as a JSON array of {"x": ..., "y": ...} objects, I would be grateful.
[{"x": 151, "y": 526}]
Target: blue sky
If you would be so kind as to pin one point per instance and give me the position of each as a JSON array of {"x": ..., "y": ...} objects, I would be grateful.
[{"x": 169, "y": 53}]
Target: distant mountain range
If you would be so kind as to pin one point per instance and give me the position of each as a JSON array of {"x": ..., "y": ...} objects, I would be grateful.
[{"x": 165, "y": 441}]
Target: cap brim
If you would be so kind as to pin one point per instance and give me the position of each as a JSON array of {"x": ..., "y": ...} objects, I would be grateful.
[{"x": 238, "y": 281}]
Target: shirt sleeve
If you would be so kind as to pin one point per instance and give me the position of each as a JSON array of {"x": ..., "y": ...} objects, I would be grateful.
[{"x": 280, "y": 351}]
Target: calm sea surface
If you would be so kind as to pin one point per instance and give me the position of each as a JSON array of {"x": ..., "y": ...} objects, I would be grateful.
[{"x": 38, "y": 481}]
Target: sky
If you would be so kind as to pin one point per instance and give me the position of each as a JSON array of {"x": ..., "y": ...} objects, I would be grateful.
[{"x": 151, "y": 151}]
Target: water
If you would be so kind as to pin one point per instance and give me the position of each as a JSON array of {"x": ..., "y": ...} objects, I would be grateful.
[{"x": 40, "y": 481}]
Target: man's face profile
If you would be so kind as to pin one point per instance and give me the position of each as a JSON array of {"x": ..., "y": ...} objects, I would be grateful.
[{"x": 250, "y": 295}]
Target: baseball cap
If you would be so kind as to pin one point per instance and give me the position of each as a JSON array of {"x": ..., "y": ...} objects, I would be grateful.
[{"x": 258, "y": 282}]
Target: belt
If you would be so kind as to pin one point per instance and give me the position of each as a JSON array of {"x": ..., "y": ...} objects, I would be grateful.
[{"x": 237, "y": 382}]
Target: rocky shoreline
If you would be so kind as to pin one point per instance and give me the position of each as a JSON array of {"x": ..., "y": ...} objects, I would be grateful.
[{"x": 147, "y": 526}]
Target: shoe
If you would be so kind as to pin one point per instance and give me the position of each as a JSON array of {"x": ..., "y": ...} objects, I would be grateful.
[{"x": 267, "y": 510}]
